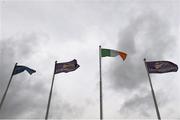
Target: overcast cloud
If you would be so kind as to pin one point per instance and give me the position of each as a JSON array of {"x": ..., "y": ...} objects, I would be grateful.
[{"x": 36, "y": 33}]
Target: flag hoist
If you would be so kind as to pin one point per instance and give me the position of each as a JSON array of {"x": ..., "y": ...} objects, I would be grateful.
[
  {"x": 103, "y": 52},
  {"x": 158, "y": 67},
  {"x": 16, "y": 70},
  {"x": 59, "y": 68}
]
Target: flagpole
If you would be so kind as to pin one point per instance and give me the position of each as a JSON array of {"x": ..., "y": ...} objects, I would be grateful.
[
  {"x": 7, "y": 86},
  {"x": 100, "y": 86},
  {"x": 153, "y": 94},
  {"x": 50, "y": 94}
]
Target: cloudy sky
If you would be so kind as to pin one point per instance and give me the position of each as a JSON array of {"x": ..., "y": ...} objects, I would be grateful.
[{"x": 37, "y": 33}]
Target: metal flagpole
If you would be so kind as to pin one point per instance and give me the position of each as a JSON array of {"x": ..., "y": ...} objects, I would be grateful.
[
  {"x": 100, "y": 85},
  {"x": 153, "y": 94},
  {"x": 50, "y": 94},
  {"x": 7, "y": 86}
]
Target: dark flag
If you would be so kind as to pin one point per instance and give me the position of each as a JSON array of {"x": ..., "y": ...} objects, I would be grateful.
[
  {"x": 66, "y": 67},
  {"x": 161, "y": 67},
  {"x": 19, "y": 69}
]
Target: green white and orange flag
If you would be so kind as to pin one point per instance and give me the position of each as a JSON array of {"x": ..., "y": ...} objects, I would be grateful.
[{"x": 112, "y": 53}]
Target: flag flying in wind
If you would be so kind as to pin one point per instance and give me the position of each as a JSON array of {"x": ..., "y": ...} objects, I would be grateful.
[
  {"x": 161, "y": 66},
  {"x": 19, "y": 69},
  {"x": 112, "y": 53},
  {"x": 66, "y": 66}
]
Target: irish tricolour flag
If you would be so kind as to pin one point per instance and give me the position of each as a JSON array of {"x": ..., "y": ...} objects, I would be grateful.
[{"x": 112, "y": 53}]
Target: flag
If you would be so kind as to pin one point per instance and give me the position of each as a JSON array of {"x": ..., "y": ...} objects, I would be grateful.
[
  {"x": 19, "y": 69},
  {"x": 112, "y": 53},
  {"x": 161, "y": 67},
  {"x": 66, "y": 67}
]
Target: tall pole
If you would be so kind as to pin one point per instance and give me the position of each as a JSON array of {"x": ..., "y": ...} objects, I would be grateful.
[
  {"x": 50, "y": 94},
  {"x": 7, "y": 87},
  {"x": 153, "y": 94},
  {"x": 100, "y": 86}
]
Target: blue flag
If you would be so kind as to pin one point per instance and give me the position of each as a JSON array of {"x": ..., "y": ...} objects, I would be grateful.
[
  {"x": 19, "y": 69},
  {"x": 161, "y": 67},
  {"x": 66, "y": 67}
]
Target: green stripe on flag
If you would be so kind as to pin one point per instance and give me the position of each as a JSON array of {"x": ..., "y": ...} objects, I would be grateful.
[{"x": 105, "y": 52}]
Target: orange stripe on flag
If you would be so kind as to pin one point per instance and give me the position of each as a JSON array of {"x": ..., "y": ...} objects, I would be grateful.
[{"x": 123, "y": 55}]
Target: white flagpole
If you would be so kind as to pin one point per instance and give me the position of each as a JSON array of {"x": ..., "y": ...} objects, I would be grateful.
[
  {"x": 100, "y": 86},
  {"x": 153, "y": 94},
  {"x": 7, "y": 87},
  {"x": 50, "y": 94}
]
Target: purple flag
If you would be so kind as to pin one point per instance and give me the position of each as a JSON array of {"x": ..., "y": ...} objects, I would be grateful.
[
  {"x": 66, "y": 67},
  {"x": 161, "y": 67}
]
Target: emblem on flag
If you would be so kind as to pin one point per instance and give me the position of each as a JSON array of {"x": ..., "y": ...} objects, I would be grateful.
[
  {"x": 161, "y": 66},
  {"x": 66, "y": 66}
]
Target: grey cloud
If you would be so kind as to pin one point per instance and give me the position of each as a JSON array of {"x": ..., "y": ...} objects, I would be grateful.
[
  {"x": 19, "y": 97},
  {"x": 146, "y": 36},
  {"x": 63, "y": 110},
  {"x": 142, "y": 105},
  {"x": 12, "y": 49},
  {"x": 19, "y": 46},
  {"x": 139, "y": 106},
  {"x": 27, "y": 95}
]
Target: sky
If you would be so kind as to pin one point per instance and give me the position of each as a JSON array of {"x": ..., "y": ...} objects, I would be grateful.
[{"x": 37, "y": 33}]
